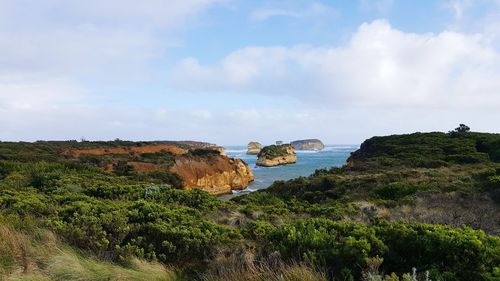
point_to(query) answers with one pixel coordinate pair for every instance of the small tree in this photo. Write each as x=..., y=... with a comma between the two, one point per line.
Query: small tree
x=462, y=128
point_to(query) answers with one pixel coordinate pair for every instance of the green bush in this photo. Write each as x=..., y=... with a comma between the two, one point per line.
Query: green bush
x=258, y=230
x=398, y=191
x=273, y=151
x=464, y=254
x=335, y=245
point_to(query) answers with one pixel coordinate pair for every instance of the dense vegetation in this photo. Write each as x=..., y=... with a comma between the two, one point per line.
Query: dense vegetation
x=430, y=149
x=424, y=201
x=273, y=151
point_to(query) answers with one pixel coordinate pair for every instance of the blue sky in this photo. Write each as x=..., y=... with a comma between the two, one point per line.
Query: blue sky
x=233, y=71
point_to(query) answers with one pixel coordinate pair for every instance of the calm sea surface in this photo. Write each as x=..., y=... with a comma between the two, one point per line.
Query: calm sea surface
x=307, y=163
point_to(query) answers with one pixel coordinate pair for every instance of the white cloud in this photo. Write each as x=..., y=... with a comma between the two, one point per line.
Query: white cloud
x=379, y=66
x=52, y=51
x=88, y=37
x=20, y=93
x=313, y=10
x=460, y=7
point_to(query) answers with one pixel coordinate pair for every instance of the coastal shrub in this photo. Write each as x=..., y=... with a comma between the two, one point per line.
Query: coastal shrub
x=456, y=253
x=448, y=253
x=122, y=168
x=4, y=170
x=334, y=245
x=174, y=234
x=428, y=149
x=398, y=191
x=28, y=202
x=93, y=225
x=162, y=176
x=493, y=183
x=148, y=229
x=195, y=198
x=115, y=192
x=258, y=230
x=313, y=189
x=204, y=152
x=165, y=159
x=470, y=158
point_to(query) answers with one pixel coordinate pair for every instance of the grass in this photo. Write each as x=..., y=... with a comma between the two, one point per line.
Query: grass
x=38, y=255
x=295, y=272
x=246, y=269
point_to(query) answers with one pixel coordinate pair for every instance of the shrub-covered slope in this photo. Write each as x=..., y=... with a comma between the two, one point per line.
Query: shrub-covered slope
x=384, y=214
x=429, y=149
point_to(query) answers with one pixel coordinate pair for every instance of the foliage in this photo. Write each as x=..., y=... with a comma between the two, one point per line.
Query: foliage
x=460, y=254
x=429, y=149
x=336, y=245
x=273, y=151
x=369, y=216
x=204, y=152
x=462, y=128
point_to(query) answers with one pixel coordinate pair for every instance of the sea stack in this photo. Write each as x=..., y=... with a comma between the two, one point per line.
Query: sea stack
x=309, y=144
x=275, y=155
x=253, y=148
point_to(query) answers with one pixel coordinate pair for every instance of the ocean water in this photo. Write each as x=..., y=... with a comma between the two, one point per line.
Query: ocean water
x=307, y=163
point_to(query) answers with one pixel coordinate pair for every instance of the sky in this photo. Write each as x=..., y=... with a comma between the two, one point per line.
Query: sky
x=234, y=71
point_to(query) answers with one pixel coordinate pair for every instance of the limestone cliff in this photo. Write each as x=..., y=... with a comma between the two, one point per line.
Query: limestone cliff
x=253, y=148
x=195, y=162
x=275, y=155
x=216, y=174
x=309, y=144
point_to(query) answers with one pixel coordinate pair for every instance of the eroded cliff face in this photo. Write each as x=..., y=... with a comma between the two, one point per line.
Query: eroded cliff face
x=309, y=144
x=211, y=172
x=276, y=155
x=216, y=174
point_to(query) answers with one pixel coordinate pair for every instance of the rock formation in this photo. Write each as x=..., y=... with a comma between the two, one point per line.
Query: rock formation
x=275, y=155
x=253, y=148
x=195, y=162
x=309, y=144
x=215, y=174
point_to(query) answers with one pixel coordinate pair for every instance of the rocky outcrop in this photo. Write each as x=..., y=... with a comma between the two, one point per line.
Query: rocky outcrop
x=195, y=162
x=309, y=144
x=275, y=155
x=253, y=148
x=216, y=174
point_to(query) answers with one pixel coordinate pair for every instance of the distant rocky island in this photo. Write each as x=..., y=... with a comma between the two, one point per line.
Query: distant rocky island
x=308, y=144
x=253, y=148
x=275, y=155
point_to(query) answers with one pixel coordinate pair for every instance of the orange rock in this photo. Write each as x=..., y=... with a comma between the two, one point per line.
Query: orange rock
x=216, y=174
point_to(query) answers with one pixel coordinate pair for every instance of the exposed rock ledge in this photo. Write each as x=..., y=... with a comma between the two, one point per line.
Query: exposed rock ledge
x=309, y=144
x=215, y=174
x=275, y=155
x=254, y=148
x=212, y=172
